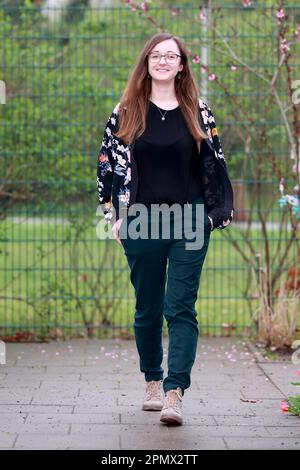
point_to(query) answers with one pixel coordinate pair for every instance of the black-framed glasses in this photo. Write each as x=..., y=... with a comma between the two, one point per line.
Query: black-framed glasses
x=170, y=57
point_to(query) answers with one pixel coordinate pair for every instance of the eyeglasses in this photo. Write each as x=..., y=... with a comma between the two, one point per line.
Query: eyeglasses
x=170, y=58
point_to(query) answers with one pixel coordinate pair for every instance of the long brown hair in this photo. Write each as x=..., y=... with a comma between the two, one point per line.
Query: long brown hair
x=134, y=102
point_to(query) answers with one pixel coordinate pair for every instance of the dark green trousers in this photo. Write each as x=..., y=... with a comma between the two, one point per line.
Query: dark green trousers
x=166, y=276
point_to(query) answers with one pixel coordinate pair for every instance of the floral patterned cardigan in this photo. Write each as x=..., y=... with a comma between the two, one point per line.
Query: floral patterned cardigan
x=117, y=176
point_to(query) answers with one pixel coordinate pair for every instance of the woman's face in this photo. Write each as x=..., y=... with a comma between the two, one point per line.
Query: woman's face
x=163, y=70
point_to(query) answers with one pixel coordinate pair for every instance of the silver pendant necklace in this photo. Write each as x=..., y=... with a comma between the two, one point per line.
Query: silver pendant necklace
x=163, y=115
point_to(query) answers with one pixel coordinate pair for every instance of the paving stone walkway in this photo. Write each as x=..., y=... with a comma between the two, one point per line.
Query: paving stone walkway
x=87, y=394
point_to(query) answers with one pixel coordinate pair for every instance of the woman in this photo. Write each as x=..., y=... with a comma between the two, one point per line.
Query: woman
x=160, y=148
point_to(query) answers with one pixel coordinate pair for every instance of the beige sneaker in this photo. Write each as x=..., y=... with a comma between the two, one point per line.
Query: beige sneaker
x=154, y=396
x=172, y=409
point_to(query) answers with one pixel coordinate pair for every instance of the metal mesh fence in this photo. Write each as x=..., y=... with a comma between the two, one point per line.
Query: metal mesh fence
x=64, y=71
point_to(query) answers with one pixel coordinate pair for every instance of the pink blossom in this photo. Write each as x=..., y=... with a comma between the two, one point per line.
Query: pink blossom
x=133, y=8
x=280, y=14
x=233, y=67
x=297, y=33
x=212, y=77
x=284, y=46
x=246, y=3
x=174, y=11
x=298, y=372
x=144, y=6
x=284, y=407
x=202, y=15
x=281, y=185
x=203, y=68
x=196, y=59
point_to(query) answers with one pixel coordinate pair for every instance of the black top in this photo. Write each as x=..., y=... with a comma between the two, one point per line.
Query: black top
x=167, y=159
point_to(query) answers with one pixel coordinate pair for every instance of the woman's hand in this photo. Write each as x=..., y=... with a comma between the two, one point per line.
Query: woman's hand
x=116, y=228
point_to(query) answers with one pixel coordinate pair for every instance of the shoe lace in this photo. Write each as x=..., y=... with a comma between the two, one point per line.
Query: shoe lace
x=153, y=390
x=173, y=399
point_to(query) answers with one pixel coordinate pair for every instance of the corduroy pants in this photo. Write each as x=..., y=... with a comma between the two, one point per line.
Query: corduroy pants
x=166, y=277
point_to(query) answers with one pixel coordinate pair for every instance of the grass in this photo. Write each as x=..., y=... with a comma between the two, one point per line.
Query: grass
x=49, y=281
